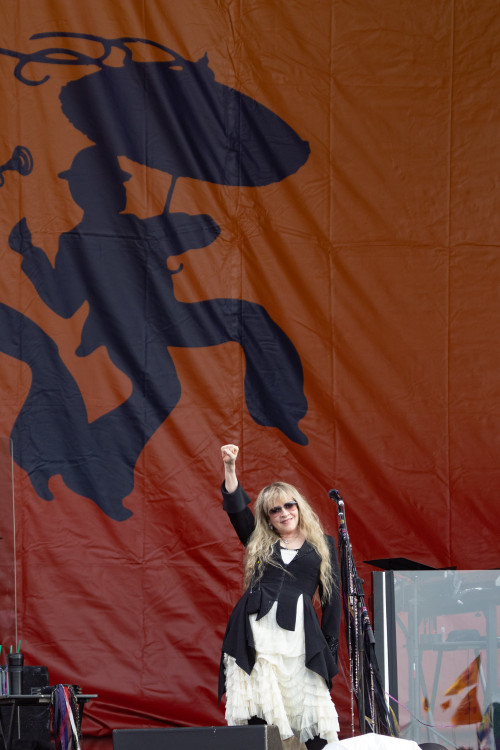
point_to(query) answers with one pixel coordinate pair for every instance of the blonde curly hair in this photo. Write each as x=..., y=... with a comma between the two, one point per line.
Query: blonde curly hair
x=260, y=546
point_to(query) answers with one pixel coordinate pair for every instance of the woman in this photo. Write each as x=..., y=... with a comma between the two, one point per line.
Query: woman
x=277, y=662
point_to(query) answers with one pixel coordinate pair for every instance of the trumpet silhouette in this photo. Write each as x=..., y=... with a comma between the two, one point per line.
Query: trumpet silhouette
x=21, y=161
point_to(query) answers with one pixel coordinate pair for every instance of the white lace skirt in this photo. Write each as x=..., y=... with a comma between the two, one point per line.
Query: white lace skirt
x=280, y=689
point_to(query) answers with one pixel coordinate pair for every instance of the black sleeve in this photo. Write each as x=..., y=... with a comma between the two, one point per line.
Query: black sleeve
x=236, y=506
x=330, y=620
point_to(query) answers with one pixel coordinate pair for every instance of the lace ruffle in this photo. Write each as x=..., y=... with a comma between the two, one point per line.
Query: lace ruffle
x=283, y=692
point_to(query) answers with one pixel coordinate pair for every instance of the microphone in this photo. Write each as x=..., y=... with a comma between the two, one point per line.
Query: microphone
x=335, y=495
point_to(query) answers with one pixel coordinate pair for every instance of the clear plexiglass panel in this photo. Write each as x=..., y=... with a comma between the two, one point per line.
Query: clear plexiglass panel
x=448, y=653
x=8, y=618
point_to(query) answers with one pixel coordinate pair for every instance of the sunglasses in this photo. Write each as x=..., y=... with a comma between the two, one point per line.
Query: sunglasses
x=280, y=508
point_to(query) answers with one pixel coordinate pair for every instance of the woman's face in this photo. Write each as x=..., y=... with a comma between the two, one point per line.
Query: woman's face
x=285, y=516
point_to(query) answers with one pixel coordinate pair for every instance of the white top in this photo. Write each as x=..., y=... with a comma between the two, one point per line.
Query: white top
x=269, y=638
x=287, y=555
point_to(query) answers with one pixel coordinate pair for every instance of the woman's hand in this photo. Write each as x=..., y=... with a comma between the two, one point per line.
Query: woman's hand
x=229, y=455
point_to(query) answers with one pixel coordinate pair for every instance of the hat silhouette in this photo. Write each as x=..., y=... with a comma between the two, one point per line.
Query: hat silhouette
x=97, y=163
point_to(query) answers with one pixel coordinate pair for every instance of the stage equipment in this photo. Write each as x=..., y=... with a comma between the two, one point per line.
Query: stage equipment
x=25, y=718
x=384, y=621
x=21, y=161
x=443, y=649
x=258, y=737
x=27, y=722
x=374, y=713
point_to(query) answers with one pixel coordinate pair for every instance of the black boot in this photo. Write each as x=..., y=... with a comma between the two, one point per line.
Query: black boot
x=317, y=743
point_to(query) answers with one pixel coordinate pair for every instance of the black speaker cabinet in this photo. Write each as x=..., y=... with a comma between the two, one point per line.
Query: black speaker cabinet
x=258, y=737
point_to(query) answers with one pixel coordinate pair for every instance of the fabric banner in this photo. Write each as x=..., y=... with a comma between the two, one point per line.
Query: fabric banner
x=273, y=224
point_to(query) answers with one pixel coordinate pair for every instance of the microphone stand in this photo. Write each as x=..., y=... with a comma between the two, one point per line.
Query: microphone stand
x=374, y=715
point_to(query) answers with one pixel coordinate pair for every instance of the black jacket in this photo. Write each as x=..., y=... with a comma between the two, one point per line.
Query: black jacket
x=284, y=585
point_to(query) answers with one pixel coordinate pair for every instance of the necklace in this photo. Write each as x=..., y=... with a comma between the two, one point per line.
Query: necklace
x=291, y=539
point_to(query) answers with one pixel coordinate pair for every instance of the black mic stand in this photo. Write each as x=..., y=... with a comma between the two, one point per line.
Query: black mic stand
x=366, y=685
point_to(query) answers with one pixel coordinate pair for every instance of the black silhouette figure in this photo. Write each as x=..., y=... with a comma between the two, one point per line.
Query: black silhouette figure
x=175, y=117
x=118, y=264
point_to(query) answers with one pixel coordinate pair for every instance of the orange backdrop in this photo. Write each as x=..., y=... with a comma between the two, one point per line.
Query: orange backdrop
x=378, y=258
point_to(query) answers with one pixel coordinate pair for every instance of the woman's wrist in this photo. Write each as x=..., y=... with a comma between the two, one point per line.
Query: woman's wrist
x=230, y=480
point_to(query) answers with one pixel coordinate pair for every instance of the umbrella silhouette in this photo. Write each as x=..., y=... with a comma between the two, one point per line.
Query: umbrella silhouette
x=174, y=116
